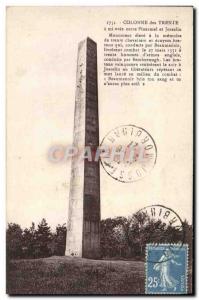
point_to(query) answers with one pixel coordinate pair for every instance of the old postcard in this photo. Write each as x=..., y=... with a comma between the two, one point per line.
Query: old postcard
x=99, y=150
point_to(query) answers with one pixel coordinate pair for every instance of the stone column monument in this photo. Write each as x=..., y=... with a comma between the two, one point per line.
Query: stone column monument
x=83, y=232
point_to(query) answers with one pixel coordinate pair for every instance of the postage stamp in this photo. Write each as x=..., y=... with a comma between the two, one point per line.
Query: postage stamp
x=166, y=269
x=134, y=154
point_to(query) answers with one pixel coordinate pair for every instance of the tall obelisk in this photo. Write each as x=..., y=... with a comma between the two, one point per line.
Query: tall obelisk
x=83, y=230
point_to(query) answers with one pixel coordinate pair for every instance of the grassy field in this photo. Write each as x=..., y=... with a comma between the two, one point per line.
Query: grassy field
x=64, y=275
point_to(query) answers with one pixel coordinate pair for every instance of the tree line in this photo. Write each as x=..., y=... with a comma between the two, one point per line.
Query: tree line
x=35, y=242
x=120, y=237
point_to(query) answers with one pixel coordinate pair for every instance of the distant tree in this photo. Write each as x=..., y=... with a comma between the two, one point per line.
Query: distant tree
x=135, y=233
x=106, y=237
x=29, y=242
x=43, y=237
x=120, y=237
x=121, y=245
x=14, y=241
x=144, y=229
x=60, y=240
x=188, y=232
x=188, y=237
x=34, y=243
x=112, y=239
x=127, y=237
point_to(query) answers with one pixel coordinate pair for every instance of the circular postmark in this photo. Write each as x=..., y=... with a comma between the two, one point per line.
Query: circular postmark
x=164, y=229
x=132, y=153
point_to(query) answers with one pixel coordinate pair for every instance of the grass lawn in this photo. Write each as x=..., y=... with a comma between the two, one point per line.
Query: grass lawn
x=65, y=275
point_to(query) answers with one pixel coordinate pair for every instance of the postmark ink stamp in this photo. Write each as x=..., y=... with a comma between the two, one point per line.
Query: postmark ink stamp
x=166, y=270
x=133, y=153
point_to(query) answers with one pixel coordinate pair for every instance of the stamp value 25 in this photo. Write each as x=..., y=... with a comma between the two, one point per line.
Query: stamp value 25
x=166, y=269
